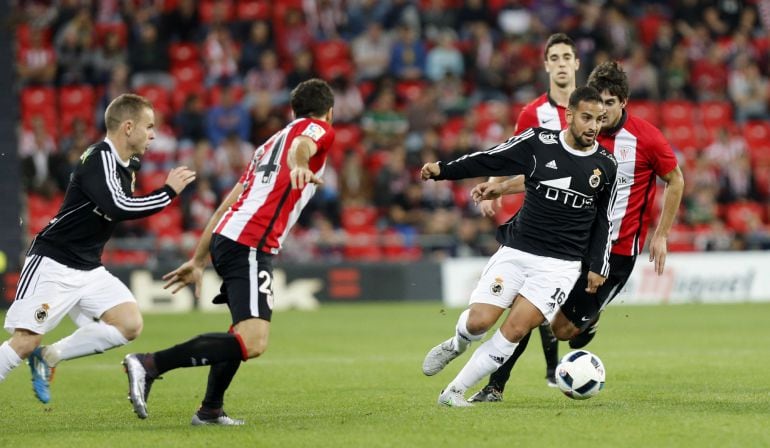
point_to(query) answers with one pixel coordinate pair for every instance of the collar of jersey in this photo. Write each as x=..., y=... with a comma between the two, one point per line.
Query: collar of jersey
x=115, y=153
x=574, y=151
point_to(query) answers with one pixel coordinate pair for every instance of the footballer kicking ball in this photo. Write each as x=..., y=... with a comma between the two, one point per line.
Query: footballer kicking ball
x=580, y=374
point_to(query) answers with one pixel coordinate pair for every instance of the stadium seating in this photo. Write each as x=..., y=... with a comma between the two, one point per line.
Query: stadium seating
x=716, y=114
x=159, y=96
x=647, y=110
x=676, y=113
x=250, y=10
x=75, y=102
x=40, y=102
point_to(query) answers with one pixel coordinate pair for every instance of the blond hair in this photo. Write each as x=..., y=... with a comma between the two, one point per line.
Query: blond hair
x=127, y=106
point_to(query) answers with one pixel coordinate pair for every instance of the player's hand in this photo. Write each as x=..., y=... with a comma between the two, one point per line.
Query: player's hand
x=430, y=170
x=658, y=251
x=180, y=177
x=594, y=282
x=302, y=176
x=187, y=273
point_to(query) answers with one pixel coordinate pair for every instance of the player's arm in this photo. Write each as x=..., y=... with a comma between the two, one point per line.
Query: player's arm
x=672, y=196
x=601, y=235
x=510, y=158
x=101, y=183
x=301, y=150
x=192, y=270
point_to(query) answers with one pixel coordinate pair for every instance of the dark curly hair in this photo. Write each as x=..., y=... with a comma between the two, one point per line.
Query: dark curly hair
x=585, y=93
x=610, y=76
x=311, y=98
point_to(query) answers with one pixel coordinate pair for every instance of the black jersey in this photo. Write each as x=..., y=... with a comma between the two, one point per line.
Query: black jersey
x=99, y=195
x=569, y=195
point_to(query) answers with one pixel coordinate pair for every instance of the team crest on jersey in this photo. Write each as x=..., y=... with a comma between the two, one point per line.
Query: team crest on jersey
x=496, y=288
x=41, y=314
x=547, y=138
x=595, y=178
x=314, y=131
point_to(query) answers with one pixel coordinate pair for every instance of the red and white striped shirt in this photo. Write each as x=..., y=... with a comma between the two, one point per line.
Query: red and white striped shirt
x=268, y=207
x=642, y=154
x=541, y=112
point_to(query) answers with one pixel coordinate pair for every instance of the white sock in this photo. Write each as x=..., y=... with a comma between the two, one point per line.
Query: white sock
x=485, y=360
x=463, y=337
x=86, y=340
x=9, y=359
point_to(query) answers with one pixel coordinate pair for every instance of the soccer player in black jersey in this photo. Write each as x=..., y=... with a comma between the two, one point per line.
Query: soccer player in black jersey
x=570, y=183
x=63, y=273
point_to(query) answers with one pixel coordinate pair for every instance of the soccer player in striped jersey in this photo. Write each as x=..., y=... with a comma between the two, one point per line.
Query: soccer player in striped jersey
x=546, y=111
x=643, y=155
x=570, y=182
x=63, y=272
x=244, y=234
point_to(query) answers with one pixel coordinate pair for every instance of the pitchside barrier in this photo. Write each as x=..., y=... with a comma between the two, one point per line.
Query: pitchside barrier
x=688, y=278
x=705, y=277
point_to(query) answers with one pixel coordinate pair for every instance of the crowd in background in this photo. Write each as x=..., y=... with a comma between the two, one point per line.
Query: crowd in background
x=414, y=81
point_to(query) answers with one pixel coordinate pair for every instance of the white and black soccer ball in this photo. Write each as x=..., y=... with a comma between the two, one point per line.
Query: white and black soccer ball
x=580, y=374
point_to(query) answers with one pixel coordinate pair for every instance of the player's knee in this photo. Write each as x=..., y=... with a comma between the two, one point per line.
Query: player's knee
x=565, y=331
x=514, y=333
x=479, y=321
x=131, y=327
x=256, y=348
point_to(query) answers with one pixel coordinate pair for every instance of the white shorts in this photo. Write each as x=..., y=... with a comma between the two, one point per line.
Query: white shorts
x=543, y=281
x=48, y=291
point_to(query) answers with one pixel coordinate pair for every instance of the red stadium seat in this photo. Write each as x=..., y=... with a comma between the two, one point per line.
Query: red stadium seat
x=167, y=225
x=23, y=32
x=40, y=210
x=409, y=90
x=206, y=10
x=684, y=137
x=187, y=80
x=250, y=10
x=681, y=238
x=737, y=215
x=40, y=102
x=355, y=218
x=103, y=29
x=677, y=112
x=647, y=110
x=515, y=111
x=363, y=244
x=158, y=95
x=183, y=54
x=75, y=102
x=756, y=133
x=716, y=114
x=149, y=181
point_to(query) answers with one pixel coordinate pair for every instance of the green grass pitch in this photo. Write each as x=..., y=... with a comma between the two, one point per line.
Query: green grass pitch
x=349, y=375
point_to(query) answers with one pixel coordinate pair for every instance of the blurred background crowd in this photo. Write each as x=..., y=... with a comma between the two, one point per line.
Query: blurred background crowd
x=414, y=81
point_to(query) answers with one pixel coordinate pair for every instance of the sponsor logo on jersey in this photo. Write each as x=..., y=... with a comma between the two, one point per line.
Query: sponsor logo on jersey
x=558, y=190
x=86, y=154
x=496, y=288
x=551, y=164
x=547, y=138
x=314, y=131
x=595, y=178
x=41, y=314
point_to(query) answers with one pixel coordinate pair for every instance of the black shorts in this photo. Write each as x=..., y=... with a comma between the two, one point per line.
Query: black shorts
x=581, y=307
x=247, y=279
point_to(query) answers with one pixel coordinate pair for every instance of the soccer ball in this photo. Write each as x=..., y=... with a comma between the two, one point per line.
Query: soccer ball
x=580, y=374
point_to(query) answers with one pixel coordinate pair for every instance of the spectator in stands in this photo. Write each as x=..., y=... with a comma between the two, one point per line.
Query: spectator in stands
x=325, y=18
x=163, y=150
x=717, y=237
x=302, y=69
x=226, y=118
x=36, y=64
x=709, y=76
x=471, y=13
x=515, y=19
x=117, y=86
x=35, y=139
x=382, y=123
x=371, y=52
x=727, y=147
x=438, y=17
x=736, y=181
x=267, y=80
x=392, y=179
x=293, y=36
x=444, y=59
x=220, y=56
x=182, y=24
x=109, y=54
x=675, y=76
x=348, y=104
x=198, y=205
x=407, y=57
x=265, y=119
x=642, y=75
x=701, y=206
x=72, y=57
x=189, y=122
x=355, y=182
x=757, y=236
x=362, y=14
x=618, y=30
x=259, y=40
x=231, y=157
x=36, y=150
x=402, y=13
x=148, y=58
x=749, y=90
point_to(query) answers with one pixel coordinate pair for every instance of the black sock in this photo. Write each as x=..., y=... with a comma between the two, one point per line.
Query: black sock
x=220, y=376
x=500, y=376
x=550, y=346
x=204, y=349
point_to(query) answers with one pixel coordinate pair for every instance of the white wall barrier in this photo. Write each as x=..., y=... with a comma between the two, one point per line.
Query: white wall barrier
x=688, y=278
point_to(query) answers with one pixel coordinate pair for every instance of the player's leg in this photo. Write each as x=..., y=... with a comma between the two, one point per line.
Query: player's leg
x=107, y=317
x=493, y=293
x=472, y=325
x=494, y=389
x=46, y=292
x=550, y=352
x=493, y=353
x=211, y=410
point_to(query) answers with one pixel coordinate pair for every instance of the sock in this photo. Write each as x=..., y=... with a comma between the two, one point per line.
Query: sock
x=87, y=340
x=204, y=349
x=485, y=360
x=501, y=376
x=550, y=346
x=463, y=337
x=220, y=376
x=9, y=359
